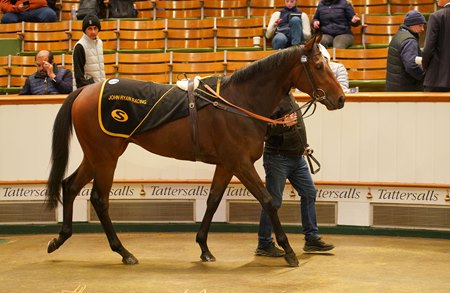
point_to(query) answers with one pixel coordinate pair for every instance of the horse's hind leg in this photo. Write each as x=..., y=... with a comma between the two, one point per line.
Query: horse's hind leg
x=71, y=186
x=219, y=183
x=100, y=200
x=253, y=183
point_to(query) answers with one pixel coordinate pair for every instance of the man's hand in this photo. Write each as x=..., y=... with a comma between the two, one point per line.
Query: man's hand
x=290, y=120
x=22, y=7
x=277, y=22
x=48, y=67
x=355, y=18
x=316, y=24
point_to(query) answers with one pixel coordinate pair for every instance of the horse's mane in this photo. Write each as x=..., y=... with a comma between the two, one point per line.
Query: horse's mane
x=266, y=64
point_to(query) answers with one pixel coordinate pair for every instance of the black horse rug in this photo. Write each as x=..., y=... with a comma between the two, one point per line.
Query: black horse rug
x=128, y=107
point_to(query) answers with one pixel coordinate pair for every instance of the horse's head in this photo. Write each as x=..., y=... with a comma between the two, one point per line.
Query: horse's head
x=317, y=79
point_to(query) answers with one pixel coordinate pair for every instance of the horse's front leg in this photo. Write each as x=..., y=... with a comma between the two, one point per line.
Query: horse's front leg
x=71, y=186
x=249, y=177
x=219, y=183
x=100, y=201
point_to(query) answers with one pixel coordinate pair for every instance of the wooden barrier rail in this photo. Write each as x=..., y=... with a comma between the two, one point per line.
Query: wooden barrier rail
x=361, y=97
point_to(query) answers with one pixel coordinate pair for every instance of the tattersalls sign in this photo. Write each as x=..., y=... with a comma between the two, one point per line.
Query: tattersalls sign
x=334, y=193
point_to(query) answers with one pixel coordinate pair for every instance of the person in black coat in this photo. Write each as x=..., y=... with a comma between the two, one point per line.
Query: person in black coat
x=436, y=53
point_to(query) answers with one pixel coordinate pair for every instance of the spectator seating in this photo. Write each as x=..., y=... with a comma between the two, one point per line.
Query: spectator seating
x=370, y=6
x=200, y=26
x=110, y=64
x=378, y=30
x=233, y=60
x=238, y=33
x=199, y=9
x=45, y=35
x=144, y=66
x=190, y=35
x=3, y=75
x=10, y=30
x=3, y=79
x=366, y=67
x=308, y=6
x=64, y=60
x=145, y=9
x=192, y=64
x=19, y=68
x=143, y=36
x=178, y=9
x=403, y=6
x=66, y=9
x=265, y=7
x=225, y=8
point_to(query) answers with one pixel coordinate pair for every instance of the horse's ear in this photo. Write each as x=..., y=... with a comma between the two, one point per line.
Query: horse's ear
x=318, y=37
x=314, y=40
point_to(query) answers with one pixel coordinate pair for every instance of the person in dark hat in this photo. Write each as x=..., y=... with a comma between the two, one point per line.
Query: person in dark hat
x=404, y=70
x=88, y=61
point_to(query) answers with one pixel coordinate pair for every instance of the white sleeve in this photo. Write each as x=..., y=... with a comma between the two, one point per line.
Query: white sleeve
x=271, y=26
x=306, y=26
x=341, y=75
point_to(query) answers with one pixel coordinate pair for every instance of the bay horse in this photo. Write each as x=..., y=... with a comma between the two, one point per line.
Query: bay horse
x=229, y=140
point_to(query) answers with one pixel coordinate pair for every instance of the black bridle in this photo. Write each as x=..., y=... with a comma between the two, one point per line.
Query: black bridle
x=318, y=95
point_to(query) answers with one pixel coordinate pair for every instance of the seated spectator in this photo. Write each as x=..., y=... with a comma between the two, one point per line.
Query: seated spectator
x=26, y=10
x=48, y=79
x=403, y=74
x=335, y=18
x=289, y=25
x=339, y=70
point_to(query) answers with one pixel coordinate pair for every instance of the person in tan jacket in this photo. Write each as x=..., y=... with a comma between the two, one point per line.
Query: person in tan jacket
x=26, y=10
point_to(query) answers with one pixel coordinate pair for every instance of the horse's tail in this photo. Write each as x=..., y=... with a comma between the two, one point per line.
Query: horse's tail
x=62, y=133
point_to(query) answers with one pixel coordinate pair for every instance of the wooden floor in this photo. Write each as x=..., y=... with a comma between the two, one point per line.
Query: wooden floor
x=169, y=262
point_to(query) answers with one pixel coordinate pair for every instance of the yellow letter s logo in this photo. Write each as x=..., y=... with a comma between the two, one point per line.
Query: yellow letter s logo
x=119, y=115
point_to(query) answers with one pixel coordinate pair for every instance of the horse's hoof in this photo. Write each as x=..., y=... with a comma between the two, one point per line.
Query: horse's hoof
x=291, y=259
x=207, y=257
x=52, y=246
x=130, y=260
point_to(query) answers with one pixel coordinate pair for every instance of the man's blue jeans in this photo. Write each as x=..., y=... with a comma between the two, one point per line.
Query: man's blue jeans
x=43, y=14
x=294, y=37
x=278, y=168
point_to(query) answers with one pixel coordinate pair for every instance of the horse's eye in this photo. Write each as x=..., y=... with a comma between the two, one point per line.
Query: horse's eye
x=319, y=66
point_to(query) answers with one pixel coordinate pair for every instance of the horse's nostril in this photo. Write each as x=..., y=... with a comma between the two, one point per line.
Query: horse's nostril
x=341, y=102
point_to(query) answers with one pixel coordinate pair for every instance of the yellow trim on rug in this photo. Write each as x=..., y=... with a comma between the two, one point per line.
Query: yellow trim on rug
x=153, y=107
x=99, y=114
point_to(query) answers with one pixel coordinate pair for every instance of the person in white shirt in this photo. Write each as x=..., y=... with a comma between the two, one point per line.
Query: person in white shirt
x=338, y=69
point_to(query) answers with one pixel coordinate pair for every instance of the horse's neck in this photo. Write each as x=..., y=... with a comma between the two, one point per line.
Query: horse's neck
x=272, y=79
x=265, y=95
